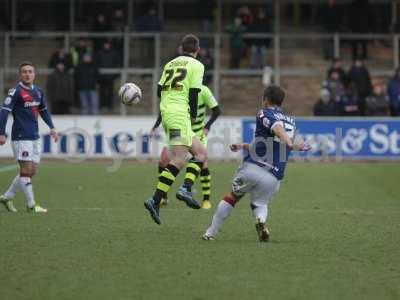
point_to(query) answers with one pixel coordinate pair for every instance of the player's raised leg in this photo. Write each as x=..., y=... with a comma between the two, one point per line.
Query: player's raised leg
x=199, y=153
x=181, y=140
x=165, y=180
x=193, y=169
x=162, y=164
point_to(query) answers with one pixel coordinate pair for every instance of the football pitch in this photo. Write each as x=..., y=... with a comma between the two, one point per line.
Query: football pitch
x=335, y=234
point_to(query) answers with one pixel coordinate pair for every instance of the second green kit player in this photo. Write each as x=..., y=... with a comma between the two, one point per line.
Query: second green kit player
x=206, y=100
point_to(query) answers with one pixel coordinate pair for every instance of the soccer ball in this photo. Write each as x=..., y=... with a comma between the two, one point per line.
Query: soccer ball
x=130, y=93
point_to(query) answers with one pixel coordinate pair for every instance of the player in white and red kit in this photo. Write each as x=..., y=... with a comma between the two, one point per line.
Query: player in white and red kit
x=26, y=102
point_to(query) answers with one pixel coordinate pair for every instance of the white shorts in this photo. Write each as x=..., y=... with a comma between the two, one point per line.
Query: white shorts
x=257, y=181
x=27, y=150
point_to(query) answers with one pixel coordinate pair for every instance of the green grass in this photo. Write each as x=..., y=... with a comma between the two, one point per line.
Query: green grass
x=335, y=235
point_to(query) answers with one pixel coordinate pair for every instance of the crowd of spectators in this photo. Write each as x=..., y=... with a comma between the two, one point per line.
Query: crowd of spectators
x=356, y=17
x=248, y=21
x=344, y=92
x=76, y=76
x=352, y=93
x=76, y=72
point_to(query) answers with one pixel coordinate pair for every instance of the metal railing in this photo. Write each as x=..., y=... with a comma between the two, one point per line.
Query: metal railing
x=218, y=42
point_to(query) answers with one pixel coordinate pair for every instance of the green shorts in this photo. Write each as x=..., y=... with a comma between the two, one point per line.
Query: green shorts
x=202, y=138
x=178, y=129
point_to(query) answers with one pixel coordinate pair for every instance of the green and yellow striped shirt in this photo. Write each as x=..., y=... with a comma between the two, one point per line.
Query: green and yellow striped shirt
x=205, y=100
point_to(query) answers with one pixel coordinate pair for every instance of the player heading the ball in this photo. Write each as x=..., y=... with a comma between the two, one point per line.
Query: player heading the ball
x=178, y=89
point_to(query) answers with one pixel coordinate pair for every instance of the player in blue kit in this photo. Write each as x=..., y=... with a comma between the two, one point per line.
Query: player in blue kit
x=26, y=102
x=263, y=164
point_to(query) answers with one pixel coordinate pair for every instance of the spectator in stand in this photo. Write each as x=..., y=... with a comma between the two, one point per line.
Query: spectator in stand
x=258, y=47
x=25, y=20
x=118, y=20
x=86, y=78
x=377, y=104
x=118, y=24
x=150, y=22
x=360, y=77
x=325, y=105
x=100, y=25
x=245, y=15
x=205, y=10
x=334, y=86
x=60, y=90
x=337, y=67
x=360, y=23
x=61, y=56
x=394, y=94
x=348, y=104
x=81, y=48
x=331, y=24
x=107, y=57
x=236, y=31
x=208, y=61
x=4, y=21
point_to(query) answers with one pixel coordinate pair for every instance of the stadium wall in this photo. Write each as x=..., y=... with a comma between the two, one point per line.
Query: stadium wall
x=128, y=137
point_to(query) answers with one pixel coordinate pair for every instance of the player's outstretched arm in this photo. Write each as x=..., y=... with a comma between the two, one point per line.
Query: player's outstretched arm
x=300, y=145
x=280, y=132
x=238, y=147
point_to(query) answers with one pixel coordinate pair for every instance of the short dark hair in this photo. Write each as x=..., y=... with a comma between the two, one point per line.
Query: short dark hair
x=274, y=94
x=25, y=63
x=190, y=43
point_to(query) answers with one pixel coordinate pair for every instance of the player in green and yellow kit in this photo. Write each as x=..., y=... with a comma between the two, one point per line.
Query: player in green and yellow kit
x=178, y=90
x=206, y=100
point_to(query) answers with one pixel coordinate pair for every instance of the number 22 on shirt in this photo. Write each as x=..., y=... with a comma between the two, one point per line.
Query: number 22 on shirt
x=173, y=77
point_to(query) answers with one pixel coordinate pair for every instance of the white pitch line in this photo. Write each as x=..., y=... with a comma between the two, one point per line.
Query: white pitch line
x=8, y=168
x=179, y=209
x=82, y=208
x=111, y=208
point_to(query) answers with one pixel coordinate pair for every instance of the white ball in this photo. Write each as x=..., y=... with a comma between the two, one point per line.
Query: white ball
x=130, y=93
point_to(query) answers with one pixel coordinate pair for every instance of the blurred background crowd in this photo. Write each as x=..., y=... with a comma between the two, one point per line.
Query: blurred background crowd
x=76, y=83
